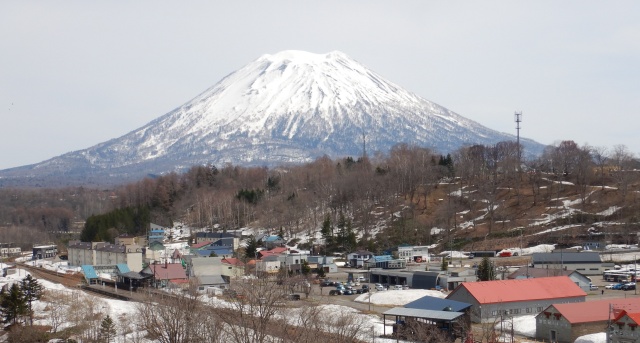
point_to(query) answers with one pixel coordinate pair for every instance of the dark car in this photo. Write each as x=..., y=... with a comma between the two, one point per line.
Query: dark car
x=349, y=292
x=629, y=286
x=335, y=292
x=294, y=297
x=327, y=284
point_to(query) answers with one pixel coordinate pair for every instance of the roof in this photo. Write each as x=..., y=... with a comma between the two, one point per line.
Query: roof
x=169, y=271
x=272, y=239
x=89, y=272
x=634, y=315
x=232, y=261
x=211, y=280
x=200, y=245
x=418, y=313
x=523, y=272
x=566, y=257
x=213, y=235
x=595, y=311
x=122, y=268
x=500, y=291
x=382, y=258
x=437, y=304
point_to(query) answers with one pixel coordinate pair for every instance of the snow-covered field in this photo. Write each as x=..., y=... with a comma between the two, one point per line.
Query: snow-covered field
x=397, y=297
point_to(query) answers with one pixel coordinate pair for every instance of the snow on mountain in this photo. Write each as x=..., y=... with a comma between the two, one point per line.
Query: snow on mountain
x=290, y=107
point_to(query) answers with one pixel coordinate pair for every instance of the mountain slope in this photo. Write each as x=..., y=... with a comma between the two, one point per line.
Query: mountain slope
x=290, y=107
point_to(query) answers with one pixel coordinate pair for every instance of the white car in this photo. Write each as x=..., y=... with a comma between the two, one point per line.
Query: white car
x=397, y=287
x=379, y=287
x=610, y=286
x=593, y=287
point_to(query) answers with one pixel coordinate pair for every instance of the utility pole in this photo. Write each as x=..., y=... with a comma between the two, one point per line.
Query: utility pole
x=518, y=119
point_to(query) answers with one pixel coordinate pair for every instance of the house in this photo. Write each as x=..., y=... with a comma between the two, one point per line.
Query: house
x=232, y=267
x=586, y=262
x=624, y=328
x=9, y=249
x=213, y=237
x=272, y=241
x=356, y=259
x=44, y=251
x=164, y=274
x=511, y=298
x=268, y=265
x=413, y=253
x=527, y=273
x=323, y=262
x=273, y=252
x=156, y=233
x=566, y=322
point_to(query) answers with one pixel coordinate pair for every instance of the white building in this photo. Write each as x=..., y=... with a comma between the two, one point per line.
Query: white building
x=413, y=253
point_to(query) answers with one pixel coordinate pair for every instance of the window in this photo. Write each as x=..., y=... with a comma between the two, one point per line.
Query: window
x=494, y=313
x=528, y=309
x=539, y=309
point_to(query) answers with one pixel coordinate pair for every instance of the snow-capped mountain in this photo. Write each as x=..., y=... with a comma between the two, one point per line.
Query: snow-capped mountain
x=290, y=107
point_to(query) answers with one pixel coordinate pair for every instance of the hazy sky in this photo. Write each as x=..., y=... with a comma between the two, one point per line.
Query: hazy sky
x=77, y=73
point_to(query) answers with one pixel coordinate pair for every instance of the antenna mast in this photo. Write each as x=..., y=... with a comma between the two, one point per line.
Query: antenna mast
x=518, y=119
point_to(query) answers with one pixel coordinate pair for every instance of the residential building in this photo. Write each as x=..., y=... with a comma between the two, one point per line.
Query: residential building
x=272, y=241
x=213, y=237
x=268, y=265
x=356, y=259
x=511, y=298
x=44, y=251
x=586, y=262
x=9, y=249
x=323, y=262
x=564, y=323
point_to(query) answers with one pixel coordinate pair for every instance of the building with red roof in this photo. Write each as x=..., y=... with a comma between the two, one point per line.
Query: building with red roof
x=165, y=273
x=624, y=327
x=566, y=322
x=511, y=298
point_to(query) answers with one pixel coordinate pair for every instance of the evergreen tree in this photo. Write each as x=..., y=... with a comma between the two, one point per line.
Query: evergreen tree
x=251, y=248
x=305, y=268
x=12, y=304
x=107, y=329
x=445, y=264
x=486, y=270
x=327, y=233
x=32, y=291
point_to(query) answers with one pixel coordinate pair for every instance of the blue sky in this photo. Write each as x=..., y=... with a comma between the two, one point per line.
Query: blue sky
x=77, y=73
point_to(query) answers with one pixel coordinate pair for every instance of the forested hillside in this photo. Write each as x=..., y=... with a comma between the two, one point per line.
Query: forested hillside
x=475, y=198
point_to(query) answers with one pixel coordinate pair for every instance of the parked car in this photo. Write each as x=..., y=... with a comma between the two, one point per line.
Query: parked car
x=405, y=287
x=610, y=286
x=327, y=283
x=379, y=287
x=335, y=292
x=349, y=292
x=593, y=287
x=294, y=297
x=629, y=286
x=618, y=286
x=362, y=279
x=397, y=287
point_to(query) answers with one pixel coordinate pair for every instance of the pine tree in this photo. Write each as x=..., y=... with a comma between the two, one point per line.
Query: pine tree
x=13, y=304
x=107, y=330
x=486, y=270
x=251, y=248
x=327, y=233
x=32, y=291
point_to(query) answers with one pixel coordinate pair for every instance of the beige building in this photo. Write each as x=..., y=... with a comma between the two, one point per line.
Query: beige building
x=101, y=253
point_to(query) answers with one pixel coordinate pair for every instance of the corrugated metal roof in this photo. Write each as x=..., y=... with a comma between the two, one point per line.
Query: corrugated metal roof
x=89, y=272
x=498, y=291
x=595, y=311
x=418, y=313
x=437, y=304
x=566, y=257
x=123, y=268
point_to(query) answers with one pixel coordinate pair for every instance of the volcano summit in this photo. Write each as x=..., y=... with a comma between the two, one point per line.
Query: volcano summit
x=290, y=107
